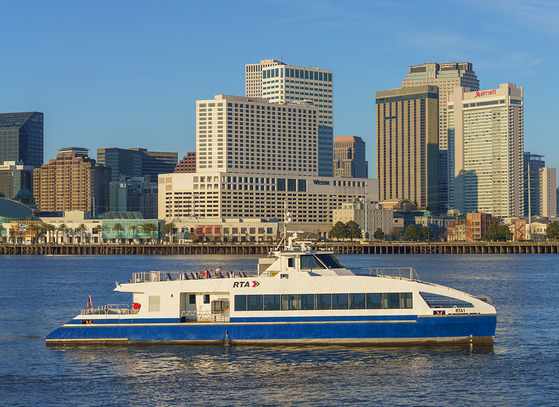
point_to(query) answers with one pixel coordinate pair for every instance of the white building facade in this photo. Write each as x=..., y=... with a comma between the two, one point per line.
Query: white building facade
x=486, y=143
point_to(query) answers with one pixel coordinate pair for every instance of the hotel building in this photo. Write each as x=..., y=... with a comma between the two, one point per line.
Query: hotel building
x=486, y=140
x=548, y=192
x=21, y=138
x=282, y=83
x=254, y=159
x=136, y=162
x=407, y=145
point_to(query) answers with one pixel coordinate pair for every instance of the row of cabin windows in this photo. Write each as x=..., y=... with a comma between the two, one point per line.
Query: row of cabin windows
x=289, y=302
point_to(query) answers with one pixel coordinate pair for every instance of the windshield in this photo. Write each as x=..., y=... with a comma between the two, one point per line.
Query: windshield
x=329, y=261
x=310, y=262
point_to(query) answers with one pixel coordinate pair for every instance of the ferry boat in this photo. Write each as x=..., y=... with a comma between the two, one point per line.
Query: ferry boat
x=296, y=296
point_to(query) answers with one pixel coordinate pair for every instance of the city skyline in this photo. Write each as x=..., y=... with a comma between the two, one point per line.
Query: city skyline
x=130, y=73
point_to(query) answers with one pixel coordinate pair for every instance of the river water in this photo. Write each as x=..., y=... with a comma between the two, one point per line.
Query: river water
x=37, y=294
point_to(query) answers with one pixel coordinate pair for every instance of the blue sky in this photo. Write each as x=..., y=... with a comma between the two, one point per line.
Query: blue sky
x=127, y=73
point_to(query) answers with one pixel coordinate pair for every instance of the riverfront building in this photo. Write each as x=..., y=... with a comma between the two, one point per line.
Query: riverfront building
x=532, y=165
x=548, y=188
x=486, y=138
x=72, y=182
x=254, y=159
x=15, y=176
x=282, y=83
x=134, y=194
x=136, y=162
x=21, y=138
x=349, y=157
x=407, y=145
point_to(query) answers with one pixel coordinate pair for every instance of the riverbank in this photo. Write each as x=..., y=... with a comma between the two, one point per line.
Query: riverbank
x=263, y=249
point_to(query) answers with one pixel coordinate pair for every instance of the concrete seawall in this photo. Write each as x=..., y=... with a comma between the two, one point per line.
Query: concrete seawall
x=263, y=249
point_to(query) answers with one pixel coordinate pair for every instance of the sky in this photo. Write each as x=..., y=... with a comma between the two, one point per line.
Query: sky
x=127, y=73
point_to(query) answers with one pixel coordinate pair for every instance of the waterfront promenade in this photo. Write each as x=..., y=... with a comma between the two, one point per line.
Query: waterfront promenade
x=262, y=249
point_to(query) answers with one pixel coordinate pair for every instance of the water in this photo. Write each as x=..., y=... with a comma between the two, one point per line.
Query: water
x=38, y=294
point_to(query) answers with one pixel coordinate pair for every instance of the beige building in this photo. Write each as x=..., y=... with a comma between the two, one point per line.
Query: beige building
x=369, y=216
x=486, y=140
x=71, y=182
x=407, y=145
x=446, y=77
x=548, y=192
x=349, y=157
x=282, y=83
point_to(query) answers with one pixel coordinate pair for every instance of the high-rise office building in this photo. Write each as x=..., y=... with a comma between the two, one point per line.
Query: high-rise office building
x=136, y=162
x=446, y=77
x=134, y=194
x=188, y=163
x=407, y=145
x=486, y=138
x=254, y=158
x=21, y=138
x=72, y=181
x=349, y=157
x=532, y=165
x=548, y=188
x=283, y=83
x=15, y=176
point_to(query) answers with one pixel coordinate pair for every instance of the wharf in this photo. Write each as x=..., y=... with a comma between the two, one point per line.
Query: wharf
x=263, y=249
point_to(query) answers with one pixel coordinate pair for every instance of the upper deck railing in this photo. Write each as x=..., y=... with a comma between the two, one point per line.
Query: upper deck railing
x=110, y=309
x=401, y=273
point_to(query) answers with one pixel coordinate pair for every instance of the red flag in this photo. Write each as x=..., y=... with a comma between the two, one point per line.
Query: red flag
x=89, y=302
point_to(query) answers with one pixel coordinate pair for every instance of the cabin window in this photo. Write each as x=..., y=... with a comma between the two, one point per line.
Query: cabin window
x=271, y=302
x=306, y=301
x=357, y=301
x=291, y=262
x=255, y=303
x=323, y=301
x=442, y=301
x=289, y=302
x=206, y=298
x=406, y=301
x=340, y=301
x=391, y=300
x=330, y=261
x=374, y=301
x=154, y=303
x=192, y=299
x=310, y=262
x=240, y=303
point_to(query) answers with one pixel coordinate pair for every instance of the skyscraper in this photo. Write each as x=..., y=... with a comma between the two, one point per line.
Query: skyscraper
x=349, y=157
x=187, y=164
x=486, y=140
x=21, y=138
x=15, y=176
x=548, y=194
x=282, y=83
x=136, y=162
x=532, y=165
x=71, y=181
x=407, y=145
x=446, y=77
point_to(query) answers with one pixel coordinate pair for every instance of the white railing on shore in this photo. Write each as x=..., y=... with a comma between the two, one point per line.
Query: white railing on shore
x=110, y=309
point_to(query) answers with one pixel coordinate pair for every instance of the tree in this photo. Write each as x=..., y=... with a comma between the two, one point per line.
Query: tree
x=49, y=228
x=497, y=232
x=379, y=234
x=119, y=228
x=133, y=228
x=395, y=234
x=168, y=229
x=552, y=230
x=149, y=228
x=412, y=232
x=425, y=233
x=61, y=228
x=353, y=230
x=35, y=228
x=2, y=228
x=98, y=229
x=81, y=228
x=338, y=231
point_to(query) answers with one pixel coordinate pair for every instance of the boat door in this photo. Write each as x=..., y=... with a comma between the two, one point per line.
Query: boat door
x=188, y=307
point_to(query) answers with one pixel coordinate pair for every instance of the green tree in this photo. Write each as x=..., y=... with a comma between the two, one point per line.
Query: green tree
x=149, y=228
x=338, y=231
x=395, y=234
x=412, y=232
x=498, y=233
x=168, y=229
x=36, y=229
x=50, y=229
x=97, y=230
x=81, y=229
x=552, y=230
x=425, y=233
x=379, y=234
x=353, y=230
x=133, y=228
x=61, y=228
x=118, y=228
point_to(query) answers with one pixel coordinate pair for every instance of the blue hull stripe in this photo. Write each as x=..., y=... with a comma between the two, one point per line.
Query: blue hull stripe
x=436, y=328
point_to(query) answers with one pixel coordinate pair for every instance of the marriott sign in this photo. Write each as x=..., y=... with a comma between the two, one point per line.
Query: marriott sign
x=486, y=92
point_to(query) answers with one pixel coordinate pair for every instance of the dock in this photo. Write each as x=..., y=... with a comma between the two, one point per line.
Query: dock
x=263, y=249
